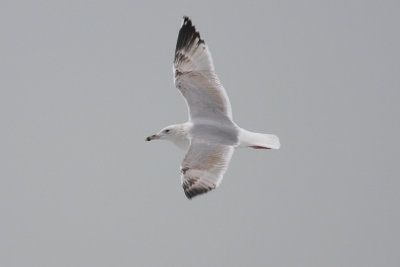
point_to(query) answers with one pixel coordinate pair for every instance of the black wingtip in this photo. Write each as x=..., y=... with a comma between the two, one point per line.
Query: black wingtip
x=187, y=35
x=188, y=195
x=194, y=192
x=192, y=189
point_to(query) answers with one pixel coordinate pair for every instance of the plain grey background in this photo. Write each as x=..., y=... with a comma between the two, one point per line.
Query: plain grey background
x=82, y=83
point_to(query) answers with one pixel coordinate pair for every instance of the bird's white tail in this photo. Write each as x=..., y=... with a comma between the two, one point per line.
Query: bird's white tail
x=258, y=140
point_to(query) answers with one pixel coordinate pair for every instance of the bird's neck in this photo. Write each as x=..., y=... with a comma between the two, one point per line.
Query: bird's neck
x=182, y=139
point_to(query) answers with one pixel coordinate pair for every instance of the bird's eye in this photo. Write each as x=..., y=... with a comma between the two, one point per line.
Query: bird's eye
x=166, y=131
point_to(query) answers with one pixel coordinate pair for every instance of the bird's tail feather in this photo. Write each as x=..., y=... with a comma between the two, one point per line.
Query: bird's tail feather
x=258, y=140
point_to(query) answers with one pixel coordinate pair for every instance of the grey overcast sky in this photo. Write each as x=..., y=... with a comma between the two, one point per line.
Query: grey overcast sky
x=82, y=83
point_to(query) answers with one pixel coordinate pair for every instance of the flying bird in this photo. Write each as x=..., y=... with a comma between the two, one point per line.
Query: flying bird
x=210, y=135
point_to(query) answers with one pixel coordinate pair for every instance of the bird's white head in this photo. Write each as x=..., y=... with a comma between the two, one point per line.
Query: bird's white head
x=176, y=133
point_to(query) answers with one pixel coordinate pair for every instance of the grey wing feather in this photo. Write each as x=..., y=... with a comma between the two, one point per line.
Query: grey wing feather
x=195, y=77
x=204, y=166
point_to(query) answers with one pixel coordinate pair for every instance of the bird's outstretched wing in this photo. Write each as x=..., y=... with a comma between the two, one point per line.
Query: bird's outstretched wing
x=194, y=76
x=204, y=166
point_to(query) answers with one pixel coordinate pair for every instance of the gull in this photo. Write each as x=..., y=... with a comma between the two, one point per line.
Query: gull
x=210, y=135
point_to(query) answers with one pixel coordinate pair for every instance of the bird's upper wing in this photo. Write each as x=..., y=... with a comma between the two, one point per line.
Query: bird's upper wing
x=204, y=166
x=194, y=76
